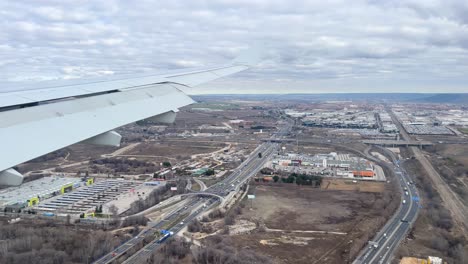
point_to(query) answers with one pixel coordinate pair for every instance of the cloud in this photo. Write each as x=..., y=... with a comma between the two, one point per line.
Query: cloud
x=310, y=46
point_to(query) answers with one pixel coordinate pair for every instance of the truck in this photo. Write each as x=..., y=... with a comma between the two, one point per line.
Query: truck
x=165, y=234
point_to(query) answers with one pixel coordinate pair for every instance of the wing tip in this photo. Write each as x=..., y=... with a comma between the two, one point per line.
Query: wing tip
x=249, y=57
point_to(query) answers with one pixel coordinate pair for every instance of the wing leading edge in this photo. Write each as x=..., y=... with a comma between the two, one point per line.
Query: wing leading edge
x=39, y=121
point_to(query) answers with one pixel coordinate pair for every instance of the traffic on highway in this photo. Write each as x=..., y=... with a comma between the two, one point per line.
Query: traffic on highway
x=197, y=205
x=382, y=247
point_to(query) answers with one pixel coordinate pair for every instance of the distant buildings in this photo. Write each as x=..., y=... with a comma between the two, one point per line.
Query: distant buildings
x=332, y=164
x=429, y=260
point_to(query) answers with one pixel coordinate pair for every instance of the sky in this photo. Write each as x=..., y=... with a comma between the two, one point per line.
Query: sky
x=307, y=46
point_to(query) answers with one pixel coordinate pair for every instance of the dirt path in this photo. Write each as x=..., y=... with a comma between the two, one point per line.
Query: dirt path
x=451, y=200
x=305, y=231
x=227, y=147
x=121, y=151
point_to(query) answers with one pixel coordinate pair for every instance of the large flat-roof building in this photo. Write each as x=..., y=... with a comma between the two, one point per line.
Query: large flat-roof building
x=30, y=193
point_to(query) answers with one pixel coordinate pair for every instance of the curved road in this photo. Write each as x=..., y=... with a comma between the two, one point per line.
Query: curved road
x=384, y=244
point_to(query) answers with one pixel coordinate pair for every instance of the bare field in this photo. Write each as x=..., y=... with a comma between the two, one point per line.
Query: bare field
x=174, y=149
x=68, y=155
x=307, y=225
x=349, y=185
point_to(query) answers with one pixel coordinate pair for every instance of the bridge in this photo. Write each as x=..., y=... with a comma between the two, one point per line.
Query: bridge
x=398, y=143
x=204, y=194
x=278, y=140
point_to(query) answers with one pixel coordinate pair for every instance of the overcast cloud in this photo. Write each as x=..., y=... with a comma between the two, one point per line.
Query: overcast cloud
x=310, y=46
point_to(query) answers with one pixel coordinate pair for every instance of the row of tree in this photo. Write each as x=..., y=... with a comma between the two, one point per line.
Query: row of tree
x=299, y=179
x=47, y=242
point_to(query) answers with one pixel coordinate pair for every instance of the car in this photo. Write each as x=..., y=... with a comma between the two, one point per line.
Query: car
x=181, y=223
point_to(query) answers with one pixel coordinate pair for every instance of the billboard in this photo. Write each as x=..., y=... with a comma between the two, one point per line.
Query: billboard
x=173, y=188
x=250, y=196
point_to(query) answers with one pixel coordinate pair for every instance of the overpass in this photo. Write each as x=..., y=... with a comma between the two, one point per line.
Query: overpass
x=204, y=194
x=278, y=140
x=398, y=143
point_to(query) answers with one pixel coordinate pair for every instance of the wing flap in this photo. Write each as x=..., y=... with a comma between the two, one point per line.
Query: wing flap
x=46, y=130
x=38, y=121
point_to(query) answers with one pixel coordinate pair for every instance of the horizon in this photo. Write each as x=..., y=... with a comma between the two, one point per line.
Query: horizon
x=384, y=46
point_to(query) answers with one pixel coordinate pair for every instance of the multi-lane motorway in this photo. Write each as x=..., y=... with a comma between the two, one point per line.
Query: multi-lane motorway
x=150, y=232
x=197, y=205
x=384, y=244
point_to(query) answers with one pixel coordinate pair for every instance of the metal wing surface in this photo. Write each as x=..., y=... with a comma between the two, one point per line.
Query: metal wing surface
x=44, y=118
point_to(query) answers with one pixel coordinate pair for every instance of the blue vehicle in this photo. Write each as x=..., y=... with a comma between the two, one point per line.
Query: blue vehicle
x=166, y=234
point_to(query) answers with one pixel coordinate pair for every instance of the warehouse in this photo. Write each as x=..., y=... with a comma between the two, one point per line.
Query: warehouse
x=87, y=198
x=31, y=193
x=334, y=164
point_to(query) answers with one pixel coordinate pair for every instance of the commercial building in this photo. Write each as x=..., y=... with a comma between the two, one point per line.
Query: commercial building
x=31, y=193
x=428, y=260
x=85, y=199
x=332, y=164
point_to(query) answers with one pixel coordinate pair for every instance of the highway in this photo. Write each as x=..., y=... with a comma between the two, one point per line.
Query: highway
x=145, y=253
x=151, y=231
x=194, y=208
x=381, y=249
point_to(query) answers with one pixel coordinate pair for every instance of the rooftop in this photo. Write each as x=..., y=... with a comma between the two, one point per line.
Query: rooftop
x=37, y=188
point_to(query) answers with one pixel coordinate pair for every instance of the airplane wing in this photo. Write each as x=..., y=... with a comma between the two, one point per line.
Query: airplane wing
x=40, y=120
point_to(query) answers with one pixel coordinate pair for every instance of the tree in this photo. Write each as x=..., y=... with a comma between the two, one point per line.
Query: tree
x=290, y=179
x=166, y=164
x=114, y=211
x=275, y=178
x=209, y=172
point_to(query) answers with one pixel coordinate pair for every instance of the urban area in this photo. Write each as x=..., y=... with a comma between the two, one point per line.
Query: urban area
x=236, y=179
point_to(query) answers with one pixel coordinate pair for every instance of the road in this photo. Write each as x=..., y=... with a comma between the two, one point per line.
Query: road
x=381, y=249
x=149, y=232
x=201, y=183
x=184, y=215
x=451, y=200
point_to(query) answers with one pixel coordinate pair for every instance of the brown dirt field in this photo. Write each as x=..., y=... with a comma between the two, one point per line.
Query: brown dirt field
x=287, y=248
x=349, y=185
x=174, y=149
x=292, y=208
x=78, y=152
x=457, y=152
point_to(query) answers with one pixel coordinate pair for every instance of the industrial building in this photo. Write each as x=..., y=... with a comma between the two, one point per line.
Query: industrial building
x=340, y=119
x=85, y=199
x=332, y=164
x=31, y=193
x=428, y=260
